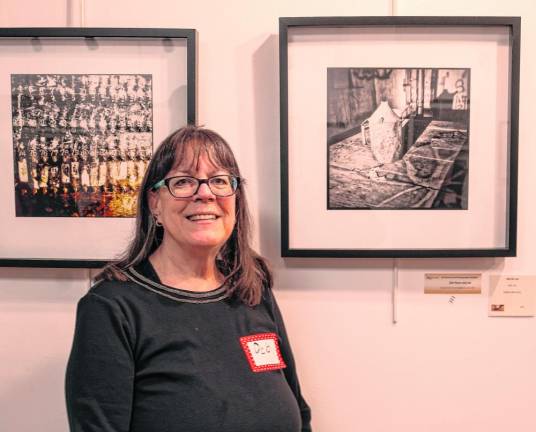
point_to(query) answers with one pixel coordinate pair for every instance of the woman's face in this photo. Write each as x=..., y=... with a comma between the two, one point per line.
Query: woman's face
x=203, y=221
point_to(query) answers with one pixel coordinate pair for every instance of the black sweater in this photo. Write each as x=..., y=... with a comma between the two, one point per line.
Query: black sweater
x=147, y=357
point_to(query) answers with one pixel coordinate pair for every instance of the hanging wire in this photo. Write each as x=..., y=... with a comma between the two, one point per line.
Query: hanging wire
x=82, y=13
x=394, y=290
x=392, y=8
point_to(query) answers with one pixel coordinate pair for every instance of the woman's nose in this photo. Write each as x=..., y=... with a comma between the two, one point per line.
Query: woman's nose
x=204, y=192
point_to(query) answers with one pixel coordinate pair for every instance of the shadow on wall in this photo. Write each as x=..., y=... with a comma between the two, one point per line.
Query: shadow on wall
x=266, y=117
x=29, y=285
x=33, y=401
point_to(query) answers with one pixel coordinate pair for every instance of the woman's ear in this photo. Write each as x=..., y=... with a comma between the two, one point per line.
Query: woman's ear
x=153, y=200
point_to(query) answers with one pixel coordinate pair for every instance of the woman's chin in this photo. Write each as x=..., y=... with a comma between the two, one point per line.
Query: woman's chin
x=206, y=241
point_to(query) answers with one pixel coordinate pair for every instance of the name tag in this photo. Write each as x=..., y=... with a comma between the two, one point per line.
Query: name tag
x=262, y=352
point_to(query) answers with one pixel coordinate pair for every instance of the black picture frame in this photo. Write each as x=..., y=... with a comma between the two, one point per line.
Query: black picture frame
x=315, y=240
x=176, y=46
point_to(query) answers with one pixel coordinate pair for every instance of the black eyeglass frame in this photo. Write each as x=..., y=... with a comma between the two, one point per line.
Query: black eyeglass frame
x=235, y=183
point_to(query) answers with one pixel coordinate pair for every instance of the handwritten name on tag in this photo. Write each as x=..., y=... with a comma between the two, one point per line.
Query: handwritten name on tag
x=262, y=352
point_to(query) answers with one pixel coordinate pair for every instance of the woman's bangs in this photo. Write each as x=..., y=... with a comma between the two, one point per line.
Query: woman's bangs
x=188, y=154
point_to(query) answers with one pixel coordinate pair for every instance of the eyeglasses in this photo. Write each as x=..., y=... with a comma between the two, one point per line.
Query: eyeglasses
x=186, y=186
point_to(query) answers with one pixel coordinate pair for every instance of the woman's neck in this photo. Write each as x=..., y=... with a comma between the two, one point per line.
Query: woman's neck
x=189, y=270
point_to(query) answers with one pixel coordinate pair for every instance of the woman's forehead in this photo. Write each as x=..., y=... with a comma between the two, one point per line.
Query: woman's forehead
x=190, y=161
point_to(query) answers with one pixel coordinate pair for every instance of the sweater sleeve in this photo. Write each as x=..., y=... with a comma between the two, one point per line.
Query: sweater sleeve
x=100, y=370
x=290, y=371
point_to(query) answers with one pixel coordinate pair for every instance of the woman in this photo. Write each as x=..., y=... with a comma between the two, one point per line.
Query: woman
x=183, y=333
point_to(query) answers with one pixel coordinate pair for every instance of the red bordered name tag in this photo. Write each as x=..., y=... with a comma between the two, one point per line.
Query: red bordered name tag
x=262, y=352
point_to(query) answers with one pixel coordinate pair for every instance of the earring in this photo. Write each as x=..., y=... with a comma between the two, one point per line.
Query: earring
x=156, y=220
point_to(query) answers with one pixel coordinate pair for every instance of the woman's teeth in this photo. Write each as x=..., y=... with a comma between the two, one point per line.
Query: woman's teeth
x=202, y=217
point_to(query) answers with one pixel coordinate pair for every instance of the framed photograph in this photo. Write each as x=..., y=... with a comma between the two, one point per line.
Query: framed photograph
x=399, y=136
x=81, y=112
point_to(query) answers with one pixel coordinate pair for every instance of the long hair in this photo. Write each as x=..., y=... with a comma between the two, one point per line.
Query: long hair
x=245, y=271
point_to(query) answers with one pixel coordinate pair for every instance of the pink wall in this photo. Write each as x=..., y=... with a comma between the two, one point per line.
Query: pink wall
x=444, y=366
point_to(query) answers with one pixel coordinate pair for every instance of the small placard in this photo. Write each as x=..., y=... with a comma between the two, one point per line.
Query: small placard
x=452, y=283
x=512, y=295
x=262, y=352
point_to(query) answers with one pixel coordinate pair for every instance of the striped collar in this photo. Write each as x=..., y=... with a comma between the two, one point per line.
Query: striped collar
x=141, y=275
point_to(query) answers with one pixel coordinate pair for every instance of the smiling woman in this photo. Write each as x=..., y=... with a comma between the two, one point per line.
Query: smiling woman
x=197, y=216
x=183, y=332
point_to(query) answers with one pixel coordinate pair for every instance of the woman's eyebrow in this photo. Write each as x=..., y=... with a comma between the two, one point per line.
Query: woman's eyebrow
x=191, y=173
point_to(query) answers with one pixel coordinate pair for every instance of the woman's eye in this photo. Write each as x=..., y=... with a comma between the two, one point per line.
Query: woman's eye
x=219, y=181
x=183, y=182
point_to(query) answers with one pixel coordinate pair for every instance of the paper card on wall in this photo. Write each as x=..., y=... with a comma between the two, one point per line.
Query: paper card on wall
x=452, y=283
x=512, y=295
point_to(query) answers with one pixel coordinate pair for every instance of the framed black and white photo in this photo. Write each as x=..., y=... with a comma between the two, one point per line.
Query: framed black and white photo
x=82, y=111
x=399, y=136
